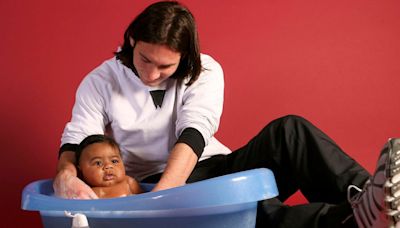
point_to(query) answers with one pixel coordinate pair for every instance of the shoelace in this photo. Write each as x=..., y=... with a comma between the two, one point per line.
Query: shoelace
x=354, y=198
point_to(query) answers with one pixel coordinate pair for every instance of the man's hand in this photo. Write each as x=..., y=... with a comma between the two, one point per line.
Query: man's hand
x=66, y=183
x=180, y=165
x=71, y=187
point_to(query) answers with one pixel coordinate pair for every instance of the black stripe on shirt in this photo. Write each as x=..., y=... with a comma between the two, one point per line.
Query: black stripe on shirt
x=67, y=147
x=193, y=138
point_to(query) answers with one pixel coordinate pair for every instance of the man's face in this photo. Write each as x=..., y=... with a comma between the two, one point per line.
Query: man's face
x=154, y=63
x=101, y=165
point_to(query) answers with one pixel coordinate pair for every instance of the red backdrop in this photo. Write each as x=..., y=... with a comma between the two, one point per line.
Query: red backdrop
x=334, y=62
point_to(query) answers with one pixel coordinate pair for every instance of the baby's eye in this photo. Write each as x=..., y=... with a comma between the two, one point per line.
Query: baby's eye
x=115, y=161
x=98, y=163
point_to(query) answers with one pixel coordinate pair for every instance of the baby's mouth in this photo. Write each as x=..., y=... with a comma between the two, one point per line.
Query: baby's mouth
x=109, y=177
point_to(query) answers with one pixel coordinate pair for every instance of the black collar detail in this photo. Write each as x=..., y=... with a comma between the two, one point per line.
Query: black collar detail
x=158, y=97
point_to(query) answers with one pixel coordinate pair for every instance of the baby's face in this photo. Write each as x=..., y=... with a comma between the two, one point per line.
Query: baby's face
x=101, y=165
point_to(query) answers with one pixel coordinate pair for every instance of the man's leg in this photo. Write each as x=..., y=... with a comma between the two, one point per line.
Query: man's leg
x=273, y=213
x=302, y=158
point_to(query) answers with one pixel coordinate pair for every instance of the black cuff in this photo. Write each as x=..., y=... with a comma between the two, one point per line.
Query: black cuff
x=193, y=138
x=67, y=147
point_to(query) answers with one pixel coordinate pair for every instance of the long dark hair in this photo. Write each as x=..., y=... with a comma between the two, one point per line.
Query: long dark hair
x=166, y=23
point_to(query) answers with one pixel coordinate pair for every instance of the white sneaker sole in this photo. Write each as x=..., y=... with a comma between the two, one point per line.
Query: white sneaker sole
x=392, y=185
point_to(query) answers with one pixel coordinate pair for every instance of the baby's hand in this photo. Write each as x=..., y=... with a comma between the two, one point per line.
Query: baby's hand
x=71, y=187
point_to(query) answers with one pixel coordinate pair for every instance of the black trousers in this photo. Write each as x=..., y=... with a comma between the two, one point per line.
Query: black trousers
x=302, y=158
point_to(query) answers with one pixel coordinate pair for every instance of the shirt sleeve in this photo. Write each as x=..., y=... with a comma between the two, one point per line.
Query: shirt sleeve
x=88, y=114
x=202, y=102
x=194, y=139
x=67, y=147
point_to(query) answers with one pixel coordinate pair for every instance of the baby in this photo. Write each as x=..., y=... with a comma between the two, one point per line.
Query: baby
x=101, y=167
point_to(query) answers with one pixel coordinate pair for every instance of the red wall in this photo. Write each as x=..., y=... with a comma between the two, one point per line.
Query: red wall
x=333, y=62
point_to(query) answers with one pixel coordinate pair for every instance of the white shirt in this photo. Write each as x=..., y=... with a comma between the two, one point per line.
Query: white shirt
x=112, y=95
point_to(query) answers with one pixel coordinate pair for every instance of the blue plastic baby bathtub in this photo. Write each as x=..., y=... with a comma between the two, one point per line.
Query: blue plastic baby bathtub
x=225, y=201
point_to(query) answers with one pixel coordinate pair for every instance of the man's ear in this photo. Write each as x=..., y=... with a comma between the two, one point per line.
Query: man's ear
x=132, y=42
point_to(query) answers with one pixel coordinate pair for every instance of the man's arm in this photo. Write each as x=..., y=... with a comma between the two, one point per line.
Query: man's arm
x=181, y=163
x=66, y=183
x=66, y=163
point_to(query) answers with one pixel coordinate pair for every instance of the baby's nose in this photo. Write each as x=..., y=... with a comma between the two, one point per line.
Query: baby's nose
x=108, y=166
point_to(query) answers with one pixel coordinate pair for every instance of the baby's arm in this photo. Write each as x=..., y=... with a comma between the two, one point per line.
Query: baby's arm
x=134, y=185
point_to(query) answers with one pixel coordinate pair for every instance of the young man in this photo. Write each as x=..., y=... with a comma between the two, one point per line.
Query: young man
x=163, y=100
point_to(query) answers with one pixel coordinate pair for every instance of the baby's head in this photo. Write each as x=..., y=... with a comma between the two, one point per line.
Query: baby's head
x=99, y=161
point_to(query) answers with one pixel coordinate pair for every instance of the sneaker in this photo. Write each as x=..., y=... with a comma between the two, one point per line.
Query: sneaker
x=377, y=204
